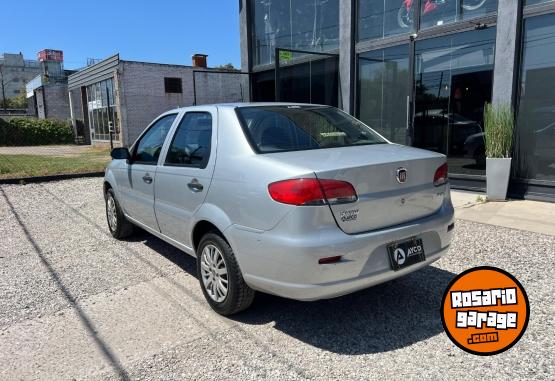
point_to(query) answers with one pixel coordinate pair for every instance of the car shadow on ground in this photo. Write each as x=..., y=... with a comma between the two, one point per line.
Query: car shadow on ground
x=383, y=318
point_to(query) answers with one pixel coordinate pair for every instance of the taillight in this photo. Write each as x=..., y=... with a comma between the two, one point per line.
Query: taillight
x=440, y=176
x=297, y=192
x=338, y=192
x=312, y=192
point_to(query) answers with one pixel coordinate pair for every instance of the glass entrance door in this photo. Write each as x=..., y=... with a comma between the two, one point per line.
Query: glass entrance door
x=453, y=81
x=383, y=91
x=307, y=77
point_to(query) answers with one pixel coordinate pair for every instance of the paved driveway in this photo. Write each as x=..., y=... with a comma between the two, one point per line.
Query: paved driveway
x=77, y=304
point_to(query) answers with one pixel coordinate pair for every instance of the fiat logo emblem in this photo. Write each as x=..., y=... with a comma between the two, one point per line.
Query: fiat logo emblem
x=401, y=175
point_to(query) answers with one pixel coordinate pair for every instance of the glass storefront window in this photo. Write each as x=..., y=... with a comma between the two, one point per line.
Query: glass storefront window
x=381, y=18
x=440, y=12
x=453, y=81
x=535, y=140
x=383, y=90
x=264, y=86
x=534, y=2
x=101, y=108
x=311, y=25
x=313, y=81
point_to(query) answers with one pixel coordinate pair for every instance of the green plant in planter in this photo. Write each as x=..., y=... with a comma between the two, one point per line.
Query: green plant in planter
x=499, y=128
x=499, y=124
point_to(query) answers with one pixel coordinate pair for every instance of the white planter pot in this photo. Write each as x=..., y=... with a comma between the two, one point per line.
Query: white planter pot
x=498, y=172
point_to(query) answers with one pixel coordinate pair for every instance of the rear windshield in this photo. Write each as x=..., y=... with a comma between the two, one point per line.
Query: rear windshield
x=297, y=128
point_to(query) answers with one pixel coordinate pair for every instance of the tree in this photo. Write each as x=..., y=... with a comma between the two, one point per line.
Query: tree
x=227, y=67
x=19, y=101
x=3, y=84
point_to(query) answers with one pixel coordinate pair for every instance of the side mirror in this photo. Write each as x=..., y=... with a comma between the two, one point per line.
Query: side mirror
x=120, y=153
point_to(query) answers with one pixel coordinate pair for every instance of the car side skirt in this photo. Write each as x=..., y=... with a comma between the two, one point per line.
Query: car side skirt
x=165, y=238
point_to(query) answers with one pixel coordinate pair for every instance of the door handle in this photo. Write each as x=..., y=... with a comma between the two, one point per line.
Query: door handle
x=195, y=186
x=147, y=179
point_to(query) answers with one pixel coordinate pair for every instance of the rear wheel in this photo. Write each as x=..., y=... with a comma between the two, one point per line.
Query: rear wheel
x=220, y=278
x=119, y=226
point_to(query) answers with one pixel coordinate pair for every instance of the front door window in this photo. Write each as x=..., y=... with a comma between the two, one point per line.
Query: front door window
x=150, y=145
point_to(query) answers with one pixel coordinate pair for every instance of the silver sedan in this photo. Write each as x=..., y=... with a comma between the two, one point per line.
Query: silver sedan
x=300, y=201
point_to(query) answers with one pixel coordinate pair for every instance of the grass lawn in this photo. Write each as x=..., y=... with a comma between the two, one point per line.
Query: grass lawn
x=15, y=166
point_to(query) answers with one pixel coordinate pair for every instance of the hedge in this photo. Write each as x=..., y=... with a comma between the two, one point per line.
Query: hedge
x=35, y=132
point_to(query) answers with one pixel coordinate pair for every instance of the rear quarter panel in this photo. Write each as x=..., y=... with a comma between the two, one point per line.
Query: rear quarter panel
x=240, y=182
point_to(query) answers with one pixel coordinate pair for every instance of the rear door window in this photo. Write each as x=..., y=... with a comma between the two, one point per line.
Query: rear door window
x=191, y=142
x=296, y=128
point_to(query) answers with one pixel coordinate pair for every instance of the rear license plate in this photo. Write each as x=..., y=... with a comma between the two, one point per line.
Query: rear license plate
x=405, y=253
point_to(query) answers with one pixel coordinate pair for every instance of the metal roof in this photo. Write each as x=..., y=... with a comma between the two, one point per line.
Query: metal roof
x=95, y=73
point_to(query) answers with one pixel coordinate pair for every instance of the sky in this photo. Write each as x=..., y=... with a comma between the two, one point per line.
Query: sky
x=162, y=31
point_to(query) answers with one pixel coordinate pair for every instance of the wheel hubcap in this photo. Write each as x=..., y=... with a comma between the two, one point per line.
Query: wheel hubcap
x=112, y=213
x=214, y=273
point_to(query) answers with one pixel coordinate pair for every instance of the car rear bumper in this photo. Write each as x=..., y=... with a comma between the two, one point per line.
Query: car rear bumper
x=309, y=292
x=284, y=261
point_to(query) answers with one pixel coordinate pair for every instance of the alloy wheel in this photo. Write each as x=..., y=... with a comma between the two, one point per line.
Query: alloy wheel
x=214, y=273
x=112, y=213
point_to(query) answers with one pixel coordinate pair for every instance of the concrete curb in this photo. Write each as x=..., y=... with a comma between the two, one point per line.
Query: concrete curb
x=42, y=179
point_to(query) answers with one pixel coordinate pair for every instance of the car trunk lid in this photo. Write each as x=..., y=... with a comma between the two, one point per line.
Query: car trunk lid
x=383, y=199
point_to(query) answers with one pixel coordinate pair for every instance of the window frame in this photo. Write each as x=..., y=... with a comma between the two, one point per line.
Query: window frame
x=257, y=63
x=176, y=130
x=168, y=81
x=135, y=146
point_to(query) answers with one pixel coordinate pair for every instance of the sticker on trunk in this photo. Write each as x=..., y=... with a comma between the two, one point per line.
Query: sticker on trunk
x=348, y=215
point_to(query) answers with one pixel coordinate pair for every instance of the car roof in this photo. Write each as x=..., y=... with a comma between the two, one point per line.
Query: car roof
x=248, y=104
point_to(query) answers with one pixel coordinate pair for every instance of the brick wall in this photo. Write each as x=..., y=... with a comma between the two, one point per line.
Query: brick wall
x=57, y=101
x=142, y=95
x=221, y=87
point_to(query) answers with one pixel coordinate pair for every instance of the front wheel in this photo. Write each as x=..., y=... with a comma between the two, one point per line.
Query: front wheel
x=220, y=278
x=119, y=226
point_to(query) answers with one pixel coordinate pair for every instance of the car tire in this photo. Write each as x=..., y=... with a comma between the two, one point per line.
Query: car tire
x=214, y=256
x=118, y=225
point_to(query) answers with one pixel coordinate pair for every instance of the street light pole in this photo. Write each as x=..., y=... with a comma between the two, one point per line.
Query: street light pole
x=3, y=90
